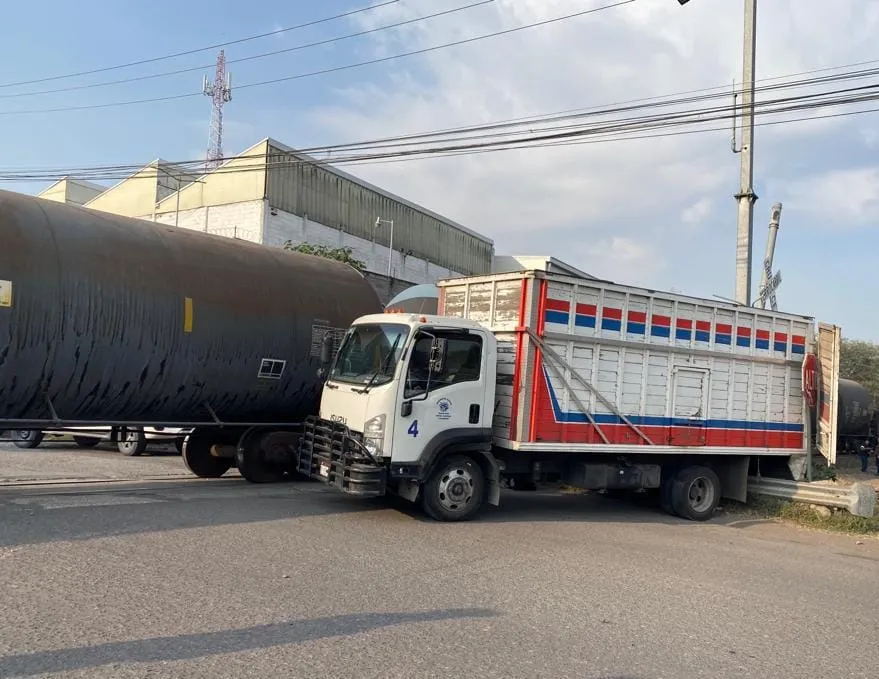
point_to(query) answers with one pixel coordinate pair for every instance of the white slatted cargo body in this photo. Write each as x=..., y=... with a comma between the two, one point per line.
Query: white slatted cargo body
x=590, y=366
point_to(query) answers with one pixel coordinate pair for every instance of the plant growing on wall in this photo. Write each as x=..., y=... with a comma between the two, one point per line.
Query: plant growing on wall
x=339, y=254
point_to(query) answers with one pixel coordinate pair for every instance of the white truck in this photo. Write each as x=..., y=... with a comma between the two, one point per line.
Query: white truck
x=533, y=376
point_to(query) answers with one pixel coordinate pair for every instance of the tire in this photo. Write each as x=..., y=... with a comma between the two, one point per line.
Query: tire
x=27, y=438
x=132, y=442
x=86, y=441
x=251, y=462
x=179, y=443
x=695, y=493
x=455, y=490
x=198, y=459
x=666, y=486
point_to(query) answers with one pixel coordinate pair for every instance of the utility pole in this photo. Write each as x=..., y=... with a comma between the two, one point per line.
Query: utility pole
x=746, y=196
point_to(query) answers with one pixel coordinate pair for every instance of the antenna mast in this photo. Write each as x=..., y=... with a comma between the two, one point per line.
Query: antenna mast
x=220, y=92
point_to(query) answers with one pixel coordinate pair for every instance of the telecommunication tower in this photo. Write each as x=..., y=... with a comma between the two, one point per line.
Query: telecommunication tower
x=220, y=92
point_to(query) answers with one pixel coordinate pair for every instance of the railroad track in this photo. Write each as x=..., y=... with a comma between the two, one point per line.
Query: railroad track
x=46, y=483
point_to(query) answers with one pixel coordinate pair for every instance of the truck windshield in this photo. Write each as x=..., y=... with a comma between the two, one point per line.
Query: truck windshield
x=365, y=355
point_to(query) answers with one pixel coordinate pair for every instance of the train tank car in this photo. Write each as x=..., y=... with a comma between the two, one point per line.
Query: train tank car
x=855, y=409
x=111, y=320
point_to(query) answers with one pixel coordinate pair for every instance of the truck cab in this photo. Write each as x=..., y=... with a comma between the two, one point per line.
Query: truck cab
x=407, y=408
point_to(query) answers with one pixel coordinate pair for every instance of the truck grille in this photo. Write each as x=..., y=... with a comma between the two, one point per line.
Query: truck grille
x=332, y=453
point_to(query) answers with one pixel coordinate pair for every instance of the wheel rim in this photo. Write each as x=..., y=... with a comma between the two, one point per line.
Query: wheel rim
x=129, y=441
x=700, y=495
x=455, y=489
x=25, y=434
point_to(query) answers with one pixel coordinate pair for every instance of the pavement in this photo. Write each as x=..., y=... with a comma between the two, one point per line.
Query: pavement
x=222, y=578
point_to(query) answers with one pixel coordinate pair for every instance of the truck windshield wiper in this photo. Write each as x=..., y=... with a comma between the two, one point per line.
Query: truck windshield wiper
x=382, y=367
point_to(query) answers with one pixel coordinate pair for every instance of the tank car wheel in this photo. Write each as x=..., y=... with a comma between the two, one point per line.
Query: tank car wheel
x=695, y=493
x=198, y=459
x=178, y=444
x=132, y=442
x=86, y=441
x=255, y=459
x=27, y=438
x=455, y=490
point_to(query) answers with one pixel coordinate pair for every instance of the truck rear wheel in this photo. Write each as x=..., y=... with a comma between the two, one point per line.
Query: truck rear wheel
x=27, y=438
x=695, y=493
x=198, y=459
x=455, y=490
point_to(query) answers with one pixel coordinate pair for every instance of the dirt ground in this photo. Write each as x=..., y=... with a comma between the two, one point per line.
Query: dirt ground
x=849, y=470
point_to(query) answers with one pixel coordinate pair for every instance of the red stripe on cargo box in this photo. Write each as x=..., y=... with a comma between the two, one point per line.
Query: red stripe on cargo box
x=557, y=305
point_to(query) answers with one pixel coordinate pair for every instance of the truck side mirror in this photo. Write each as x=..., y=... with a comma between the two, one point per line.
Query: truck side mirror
x=326, y=356
x=406, y=409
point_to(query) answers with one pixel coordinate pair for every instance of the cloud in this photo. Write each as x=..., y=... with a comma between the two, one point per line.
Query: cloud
x=623, y=259
x=697, y=212
x=841, y=198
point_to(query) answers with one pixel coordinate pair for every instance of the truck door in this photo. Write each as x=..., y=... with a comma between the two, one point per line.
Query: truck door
x=689, y=407
x=827, y=387
x=443, y=392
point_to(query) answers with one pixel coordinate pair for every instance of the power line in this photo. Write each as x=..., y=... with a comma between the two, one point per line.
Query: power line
x=262, y=55
x=543, y=119
x=335, y=69
x=184, y=53
x=609, y=131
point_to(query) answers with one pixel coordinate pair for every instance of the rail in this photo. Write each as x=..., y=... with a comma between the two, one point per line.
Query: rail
x=859, y=499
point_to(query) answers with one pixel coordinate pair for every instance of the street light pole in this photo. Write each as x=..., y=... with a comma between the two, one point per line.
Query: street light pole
x=378, y=222
x=746, y=196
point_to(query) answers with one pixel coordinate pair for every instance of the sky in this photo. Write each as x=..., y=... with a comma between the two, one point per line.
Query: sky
x=655, y=212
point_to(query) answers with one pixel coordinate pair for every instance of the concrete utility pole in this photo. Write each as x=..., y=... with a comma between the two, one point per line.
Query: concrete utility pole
x=746, y=196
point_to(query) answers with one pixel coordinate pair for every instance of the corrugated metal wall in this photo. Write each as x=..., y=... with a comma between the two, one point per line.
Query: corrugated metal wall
x=332, y=200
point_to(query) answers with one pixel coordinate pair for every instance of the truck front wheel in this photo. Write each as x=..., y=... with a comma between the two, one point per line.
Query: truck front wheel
x=695, y=493
x=455, y=490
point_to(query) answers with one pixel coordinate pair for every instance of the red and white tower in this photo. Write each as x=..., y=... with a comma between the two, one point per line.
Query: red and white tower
x=220, y=92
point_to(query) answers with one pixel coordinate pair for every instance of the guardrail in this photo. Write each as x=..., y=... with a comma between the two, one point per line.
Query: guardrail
x=859, y=498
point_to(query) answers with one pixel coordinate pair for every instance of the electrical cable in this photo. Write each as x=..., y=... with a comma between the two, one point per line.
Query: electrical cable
x=184, y=53
x=325, y=71
x=262, y=55
x=611, y=130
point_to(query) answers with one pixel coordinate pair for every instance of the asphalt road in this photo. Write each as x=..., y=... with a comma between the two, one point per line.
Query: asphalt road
x=227, y=579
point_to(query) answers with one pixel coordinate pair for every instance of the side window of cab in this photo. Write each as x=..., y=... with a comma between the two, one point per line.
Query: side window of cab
x=460, y=361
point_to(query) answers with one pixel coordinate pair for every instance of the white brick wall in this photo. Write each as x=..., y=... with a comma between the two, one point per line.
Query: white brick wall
x=235, y=220
x=284, y=226
x=253, y=221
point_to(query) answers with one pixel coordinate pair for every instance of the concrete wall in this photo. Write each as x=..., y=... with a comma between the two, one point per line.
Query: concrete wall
x=236, y=220
x=253, y=220
x=282, y=226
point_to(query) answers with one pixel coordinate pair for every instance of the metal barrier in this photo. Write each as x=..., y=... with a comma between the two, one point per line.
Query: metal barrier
x=859, y=498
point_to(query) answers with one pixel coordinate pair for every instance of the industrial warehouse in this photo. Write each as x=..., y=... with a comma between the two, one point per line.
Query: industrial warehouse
x=271, y=194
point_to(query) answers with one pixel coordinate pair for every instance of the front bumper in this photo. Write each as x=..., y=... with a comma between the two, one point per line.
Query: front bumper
x=330, y=452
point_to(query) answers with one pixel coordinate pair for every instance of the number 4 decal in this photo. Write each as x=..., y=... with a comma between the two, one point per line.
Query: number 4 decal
x=413, y=428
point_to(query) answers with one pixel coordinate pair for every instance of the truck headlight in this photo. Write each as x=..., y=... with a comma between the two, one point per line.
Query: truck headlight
x=374, y=435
